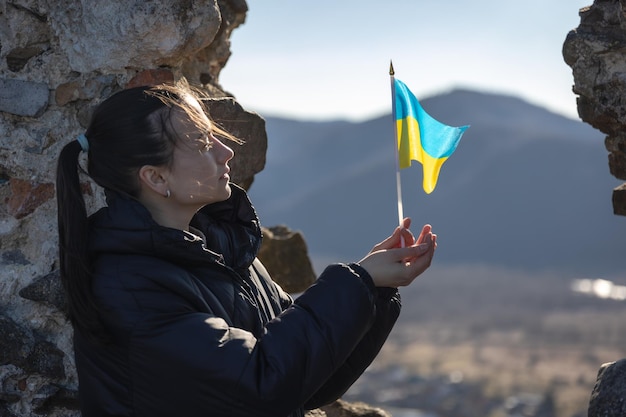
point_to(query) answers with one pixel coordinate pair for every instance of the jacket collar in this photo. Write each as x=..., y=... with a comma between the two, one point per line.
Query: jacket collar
x=231, y=227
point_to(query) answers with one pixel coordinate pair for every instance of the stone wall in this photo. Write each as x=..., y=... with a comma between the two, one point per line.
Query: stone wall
x=58, y=60
x=596, y=52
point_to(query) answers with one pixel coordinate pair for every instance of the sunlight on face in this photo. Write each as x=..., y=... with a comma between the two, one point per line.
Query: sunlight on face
x=199, y=174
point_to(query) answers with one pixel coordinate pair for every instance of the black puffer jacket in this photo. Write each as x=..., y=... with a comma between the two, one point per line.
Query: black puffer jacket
x=202, y=330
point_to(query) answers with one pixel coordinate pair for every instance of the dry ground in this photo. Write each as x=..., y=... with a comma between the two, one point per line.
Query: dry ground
x=511, y=331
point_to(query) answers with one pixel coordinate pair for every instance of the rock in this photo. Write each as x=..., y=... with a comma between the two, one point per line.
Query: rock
x=110, y=36
x=19, y=57
x=151, y=77
x=46, y=360
x=52, y=397
x=24, y=34
x=595, y=52
x=23, y=98
x=14, y=256
x=5, y=411
x=204, y=66
x=284, y=254
x=84, y=89
x=616, y=145
x=619, y=200
x=342, y=408
x=16, y=342
x=46, y=289
x=608, y=398
x=248, y=126
x=27, y=196
x=315, y=413
x=67, y=92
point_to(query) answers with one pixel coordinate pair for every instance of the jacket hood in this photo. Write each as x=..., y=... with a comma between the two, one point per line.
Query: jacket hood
x=231, y=227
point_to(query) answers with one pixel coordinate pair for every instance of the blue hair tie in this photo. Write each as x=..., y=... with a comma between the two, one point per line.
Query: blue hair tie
x=84, y=144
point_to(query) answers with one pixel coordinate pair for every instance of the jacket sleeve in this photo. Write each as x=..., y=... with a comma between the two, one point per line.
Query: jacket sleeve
x=387, y=307
x=211, y=367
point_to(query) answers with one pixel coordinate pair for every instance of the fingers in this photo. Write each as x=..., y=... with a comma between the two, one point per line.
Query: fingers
x=407, y=239
x=397, y=267
x=410, y=252
x=390, y=242
x=406, y=236
x=426, y=229
x=400, y=237
x=415, y=265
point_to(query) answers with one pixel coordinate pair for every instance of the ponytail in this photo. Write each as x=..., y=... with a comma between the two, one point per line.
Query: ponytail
x=130, y=129
x=75, y=265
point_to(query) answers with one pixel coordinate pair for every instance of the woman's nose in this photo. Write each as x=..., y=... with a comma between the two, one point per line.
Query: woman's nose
x=225, y=153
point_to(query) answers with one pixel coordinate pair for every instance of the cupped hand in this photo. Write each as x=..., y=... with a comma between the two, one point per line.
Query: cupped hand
x=400, y=237
x=391, y=265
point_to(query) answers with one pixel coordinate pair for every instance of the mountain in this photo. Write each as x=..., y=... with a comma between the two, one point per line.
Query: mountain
x=525, y=189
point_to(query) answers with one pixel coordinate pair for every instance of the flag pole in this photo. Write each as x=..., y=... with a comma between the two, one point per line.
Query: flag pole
x=395, y=128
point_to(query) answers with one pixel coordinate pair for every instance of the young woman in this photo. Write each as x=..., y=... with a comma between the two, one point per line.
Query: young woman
x=173, y=315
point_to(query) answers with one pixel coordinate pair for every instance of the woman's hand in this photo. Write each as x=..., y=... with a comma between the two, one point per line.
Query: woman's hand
x=399, y=259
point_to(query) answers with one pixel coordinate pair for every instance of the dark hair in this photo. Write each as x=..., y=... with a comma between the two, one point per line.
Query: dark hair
x=127, y=131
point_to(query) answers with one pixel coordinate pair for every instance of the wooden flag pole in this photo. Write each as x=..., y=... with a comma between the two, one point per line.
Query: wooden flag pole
x=395, y=128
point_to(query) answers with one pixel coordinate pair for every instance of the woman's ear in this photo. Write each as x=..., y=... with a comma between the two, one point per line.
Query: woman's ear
x=154, y=178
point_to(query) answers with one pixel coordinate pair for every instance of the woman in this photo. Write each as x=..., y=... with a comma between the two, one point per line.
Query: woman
x=173, y=314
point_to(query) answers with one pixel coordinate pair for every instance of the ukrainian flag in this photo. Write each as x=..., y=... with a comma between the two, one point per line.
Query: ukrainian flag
x=422, y=138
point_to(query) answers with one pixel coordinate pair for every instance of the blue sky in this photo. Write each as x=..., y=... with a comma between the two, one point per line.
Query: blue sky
x=329, y=59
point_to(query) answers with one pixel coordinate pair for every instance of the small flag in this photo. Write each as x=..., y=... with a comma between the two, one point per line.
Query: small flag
x=422, y=138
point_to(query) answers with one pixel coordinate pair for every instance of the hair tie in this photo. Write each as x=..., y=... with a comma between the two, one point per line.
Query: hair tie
x=84, y=143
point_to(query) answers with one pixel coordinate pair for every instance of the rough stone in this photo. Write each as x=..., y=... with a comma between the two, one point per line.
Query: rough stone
x=204, y=66
x=151, y=77
x=53, y=397
x=84, y=89
x=595, y=52
x=284, y=253
x=247, y=126
x=93, y=35
x=58, y=398
x=616, y=145
x=26, y=197
x=16, y=342
x=608, y=398
x=19, y=57
x=43, y=396
x=5, y=412
x=45, y=359
x=67, y=92
x=14, y=256
x=46, y=289
x=24, y=34
x=23, y=98
x=619, y=200
x=342, y=408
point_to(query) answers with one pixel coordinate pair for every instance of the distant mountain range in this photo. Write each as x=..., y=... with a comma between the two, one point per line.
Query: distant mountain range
x=526, y=188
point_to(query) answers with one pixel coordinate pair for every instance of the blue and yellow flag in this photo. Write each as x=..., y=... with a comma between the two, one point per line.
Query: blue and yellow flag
x=422, y=138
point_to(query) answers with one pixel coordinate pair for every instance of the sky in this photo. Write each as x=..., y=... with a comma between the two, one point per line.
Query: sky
x=329, y=59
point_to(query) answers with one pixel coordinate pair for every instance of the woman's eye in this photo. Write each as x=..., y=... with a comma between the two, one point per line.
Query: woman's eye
x=205, y=143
